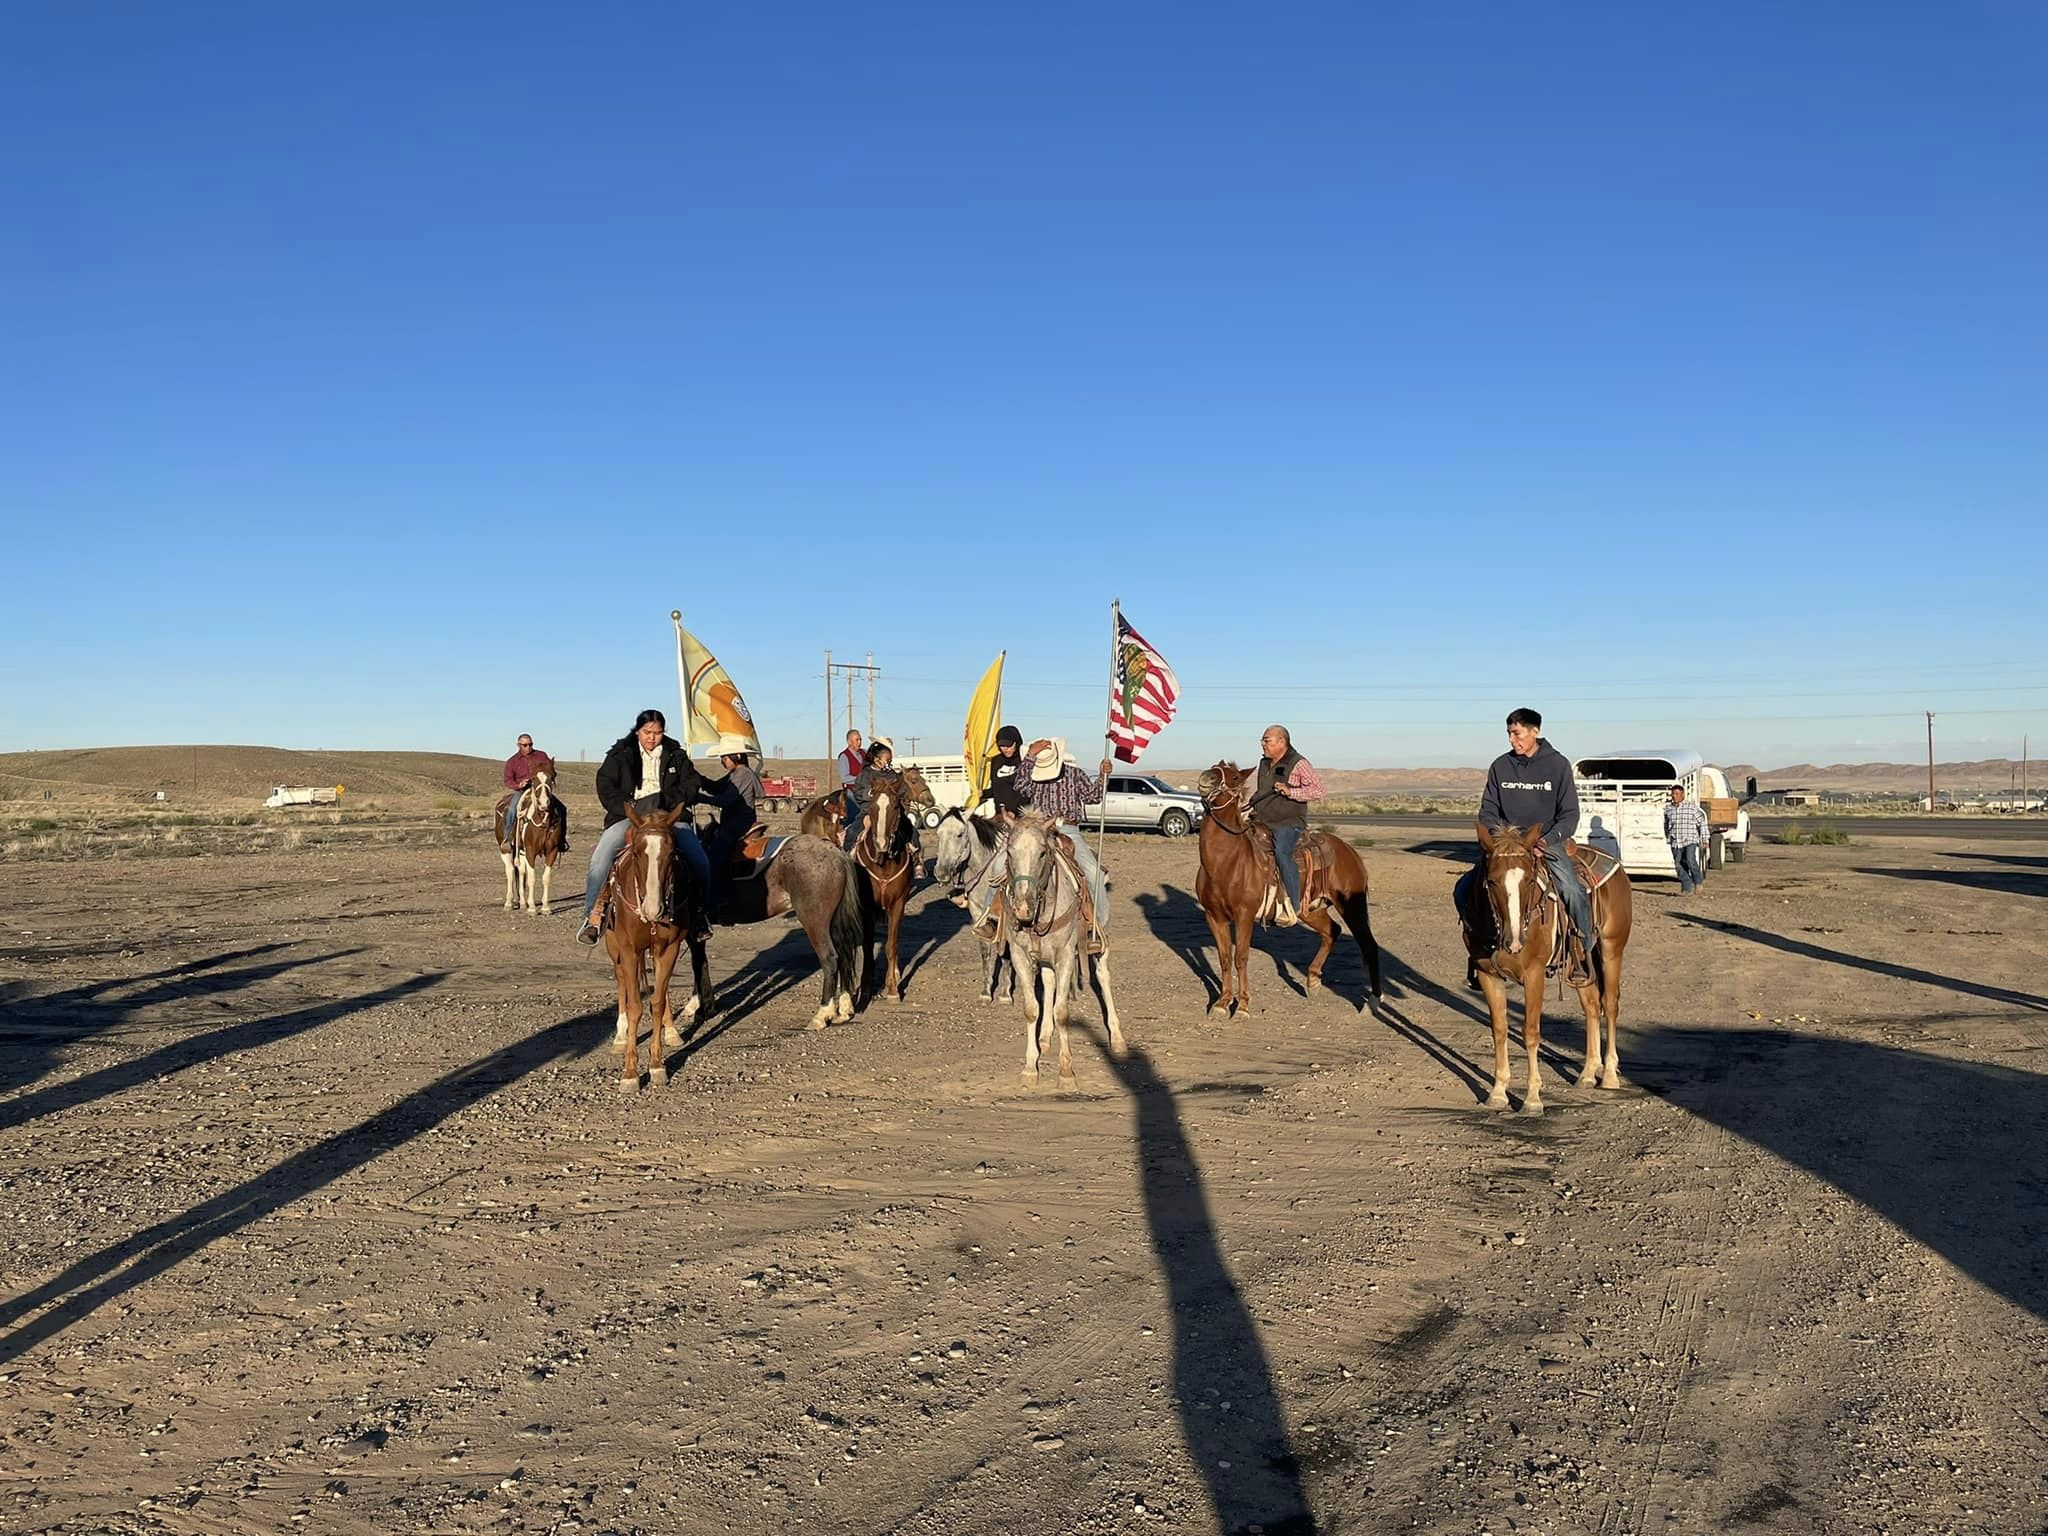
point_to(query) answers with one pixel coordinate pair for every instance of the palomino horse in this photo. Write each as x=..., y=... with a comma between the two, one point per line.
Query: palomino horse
x=825, y=817
x=536, y=844
x=1040, y=913
x=884, y=850
x=964, y=847
x=1514, y=931
x=1232, y=886
x=636, y=929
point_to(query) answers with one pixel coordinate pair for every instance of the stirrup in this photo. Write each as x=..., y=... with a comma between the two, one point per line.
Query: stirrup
x=1094, y=943
x=1284, y=915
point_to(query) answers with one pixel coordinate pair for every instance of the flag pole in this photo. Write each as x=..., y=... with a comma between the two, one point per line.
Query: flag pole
x=675, y=617
x=1108, y=745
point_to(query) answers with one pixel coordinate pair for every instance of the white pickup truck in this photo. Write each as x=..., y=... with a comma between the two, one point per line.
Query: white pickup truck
x=1622, y=796
x=294, y=794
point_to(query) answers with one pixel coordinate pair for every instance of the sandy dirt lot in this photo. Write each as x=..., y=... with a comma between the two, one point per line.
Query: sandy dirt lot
x=319, y=1211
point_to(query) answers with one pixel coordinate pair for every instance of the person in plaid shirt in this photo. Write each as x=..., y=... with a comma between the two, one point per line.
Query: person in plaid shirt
x=1685, y=829
x=1288, y=784
x=1057, y=789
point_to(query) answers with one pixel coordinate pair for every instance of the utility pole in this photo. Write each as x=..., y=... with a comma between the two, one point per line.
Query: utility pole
x=849, y=669
x=1930, y=760
x=913, y=746
x=828, y=704
x=871, y=695
x=2025, y=795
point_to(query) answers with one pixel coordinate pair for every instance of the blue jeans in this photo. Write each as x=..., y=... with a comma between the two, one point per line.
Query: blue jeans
x=1687, y=861
x=512, y=814
x=613, y=840
x=1284, y=839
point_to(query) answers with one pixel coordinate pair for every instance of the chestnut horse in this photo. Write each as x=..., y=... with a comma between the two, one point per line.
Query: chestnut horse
x=635, y=929
x=885, y=851
x=536, y=844
x=1232, y=888
x=1514, y=929
x=825, y=817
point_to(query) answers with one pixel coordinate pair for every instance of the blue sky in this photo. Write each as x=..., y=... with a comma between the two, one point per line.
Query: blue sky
x=380, y=376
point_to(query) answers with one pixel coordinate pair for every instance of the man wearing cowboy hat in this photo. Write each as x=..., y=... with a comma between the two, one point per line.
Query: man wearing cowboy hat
x=1053, y=784
x=739, y=804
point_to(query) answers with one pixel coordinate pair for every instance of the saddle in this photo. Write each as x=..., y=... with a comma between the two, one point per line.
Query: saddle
x=1595, y=869
x=1312, y=858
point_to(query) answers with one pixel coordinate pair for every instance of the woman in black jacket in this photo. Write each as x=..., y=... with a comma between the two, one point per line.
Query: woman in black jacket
x=646, y=770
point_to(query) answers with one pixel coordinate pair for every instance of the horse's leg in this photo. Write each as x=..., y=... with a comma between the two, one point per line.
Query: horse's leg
x=1589, y=1000
x=1226, y=993
x=627, y=965
x=1065, y=975
x=1532, y=1036
x=892, y=987
x=1244, y=973
x=505, y=854
x=1496, y=992
x=1610, y=965
x=664, y=1029
x=1358, y=914
x=1035, y=1020
x=1116, y=1033
x=991, y=960
x=1326, y=930
x=547, y=886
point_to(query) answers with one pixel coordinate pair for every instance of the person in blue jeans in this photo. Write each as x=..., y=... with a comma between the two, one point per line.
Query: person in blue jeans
x=646, y=770
x=1685, y=829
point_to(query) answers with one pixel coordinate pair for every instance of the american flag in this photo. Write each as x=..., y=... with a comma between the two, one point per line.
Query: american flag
x=1142, y=698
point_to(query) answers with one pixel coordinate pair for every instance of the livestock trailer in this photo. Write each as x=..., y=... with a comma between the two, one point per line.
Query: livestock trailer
x=1622, y=796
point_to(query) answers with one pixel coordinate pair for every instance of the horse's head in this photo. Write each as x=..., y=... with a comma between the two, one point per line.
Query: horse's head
x=917, y=794
x=539, y=791
x=1226, y=790
x=1034, y=871
x=650, y=840
x=885, y=809
x=952, y=846
x=1511, y=880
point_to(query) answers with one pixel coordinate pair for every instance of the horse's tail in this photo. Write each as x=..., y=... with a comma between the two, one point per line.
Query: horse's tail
x=849, y=925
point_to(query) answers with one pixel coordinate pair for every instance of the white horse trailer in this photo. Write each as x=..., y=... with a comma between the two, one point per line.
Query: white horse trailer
x=945, y=776
x=1622, y=796
x=295, y=794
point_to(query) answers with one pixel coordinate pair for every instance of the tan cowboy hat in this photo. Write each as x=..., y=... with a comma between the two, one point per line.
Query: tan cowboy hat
x=883, y=741
x=1052, y=762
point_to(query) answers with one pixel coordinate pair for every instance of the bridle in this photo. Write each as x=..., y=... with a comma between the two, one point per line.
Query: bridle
x=1514, y=942
x=1031, y=885
x=1225, y=794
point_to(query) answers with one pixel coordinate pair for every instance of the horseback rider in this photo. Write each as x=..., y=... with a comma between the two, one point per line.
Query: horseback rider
x=738, y=798
x=879, y=763
x=1288, y=784
x=650, y=772
x=1057, y=789
x=1531, y=785
x=520, y=768
x=851, y=760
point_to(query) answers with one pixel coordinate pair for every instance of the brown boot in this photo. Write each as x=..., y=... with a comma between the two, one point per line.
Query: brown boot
x=1579, y=964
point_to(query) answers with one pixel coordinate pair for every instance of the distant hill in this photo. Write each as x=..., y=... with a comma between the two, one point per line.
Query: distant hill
x=239, y=777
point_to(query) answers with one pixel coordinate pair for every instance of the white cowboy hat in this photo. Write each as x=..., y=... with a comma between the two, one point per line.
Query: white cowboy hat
x=1052, y=762
x=883, y=741
x=734, y=746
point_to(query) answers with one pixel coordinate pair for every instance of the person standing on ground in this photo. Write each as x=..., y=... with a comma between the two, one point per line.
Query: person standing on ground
x=1685, y=829
x=1288, y=785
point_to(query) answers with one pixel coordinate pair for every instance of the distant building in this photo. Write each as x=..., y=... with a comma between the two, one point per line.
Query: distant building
x=1787, y=796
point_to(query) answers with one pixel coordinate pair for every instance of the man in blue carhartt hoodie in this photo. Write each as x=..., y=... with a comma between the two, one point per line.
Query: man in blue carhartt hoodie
x=1530, y=785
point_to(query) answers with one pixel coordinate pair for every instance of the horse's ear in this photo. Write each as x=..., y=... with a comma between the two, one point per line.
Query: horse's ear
x=632, y=815
x=1531, y=836
x=1485, y=836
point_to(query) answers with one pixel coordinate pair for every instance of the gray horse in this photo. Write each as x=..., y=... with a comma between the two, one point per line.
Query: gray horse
x=1043, y=898
x=963, y=847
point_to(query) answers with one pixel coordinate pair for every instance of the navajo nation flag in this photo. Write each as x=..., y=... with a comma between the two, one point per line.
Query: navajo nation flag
x=1143, y=695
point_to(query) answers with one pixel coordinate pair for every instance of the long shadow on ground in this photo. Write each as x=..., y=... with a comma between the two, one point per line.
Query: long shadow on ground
x=1177, y=921
x=1890, y=968
x=1243, y=1451
x=2008, y=882
x=93, y=1281
x=1948, y=1151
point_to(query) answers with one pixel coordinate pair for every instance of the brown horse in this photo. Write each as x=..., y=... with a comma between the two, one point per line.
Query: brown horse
x=635, y=929
x=535, y=844
x=1514, y=930
x=886, y=852
x=1234, y=884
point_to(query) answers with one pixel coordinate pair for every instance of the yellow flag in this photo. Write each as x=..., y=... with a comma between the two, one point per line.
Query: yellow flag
x=984, y=717
x=714, y=714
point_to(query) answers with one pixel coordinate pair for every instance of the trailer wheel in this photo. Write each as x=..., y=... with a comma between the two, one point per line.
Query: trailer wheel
x=1717, y=852
x=1735, y=852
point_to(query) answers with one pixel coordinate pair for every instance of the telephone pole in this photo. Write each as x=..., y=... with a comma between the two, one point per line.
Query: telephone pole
x=1930, y=760
x=848, y=669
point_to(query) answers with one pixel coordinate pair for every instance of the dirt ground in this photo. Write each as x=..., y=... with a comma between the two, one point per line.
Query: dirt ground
x=319, y=1211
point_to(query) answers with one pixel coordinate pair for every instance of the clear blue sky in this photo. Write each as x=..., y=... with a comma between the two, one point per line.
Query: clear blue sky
x=381, y=375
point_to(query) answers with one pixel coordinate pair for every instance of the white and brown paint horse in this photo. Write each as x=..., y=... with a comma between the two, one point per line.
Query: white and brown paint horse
x=536, y=844
x=649, y=919
x=1514, y=931
x=1039, y=910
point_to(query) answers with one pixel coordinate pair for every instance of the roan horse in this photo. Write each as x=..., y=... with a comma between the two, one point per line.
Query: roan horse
x=636, y=930
x=536, y=844
x=1514, y=931
x=1232, y=887
x=1039, y=911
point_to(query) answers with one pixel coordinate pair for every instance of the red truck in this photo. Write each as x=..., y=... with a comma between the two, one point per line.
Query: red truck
x=779, y=794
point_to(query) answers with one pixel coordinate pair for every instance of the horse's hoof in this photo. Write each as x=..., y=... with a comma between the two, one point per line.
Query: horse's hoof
x=1030, y=1079
x=1612, y=1080
x=819, y=1020
x=1068, y=1082
x=1498, y=1099
x=1532, y=1109
x=629, y=1085
x=1118, y=1050
x=1586, y=1079
x=670, y=1038
x=1314, y=983
x=657, y=1077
